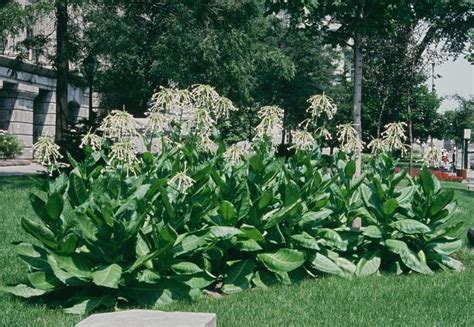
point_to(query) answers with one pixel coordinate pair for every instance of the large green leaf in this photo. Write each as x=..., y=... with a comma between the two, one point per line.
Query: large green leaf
x=427, y=181
x=45, y=281
x=442, y=200
x=186, y=268
x=55, y=205
x=22, y=291
x=227, y=210
x=369, y=264
x=77, y=264
x=197, y=281
x=292, y=193
x=409, y=258
x=305, y=240
x=322, y=263
x=372, y=231
x=265, y=199
x=239, y=276
x=247, y=245
x=190, y=243
x=33, y=255
x=312, y=217
x=224, y=232
x=410, y=226
x=350, y=169
x=84, y=305
x=77, y=190
x=39, y=207
x=445, y=247
x=390, y=206
x=252, y=232
x=40, y=232
x=280, y=215
x=284, y=260
x=108, y=276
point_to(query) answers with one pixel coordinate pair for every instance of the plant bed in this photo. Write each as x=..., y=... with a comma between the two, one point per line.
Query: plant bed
x=120, y=229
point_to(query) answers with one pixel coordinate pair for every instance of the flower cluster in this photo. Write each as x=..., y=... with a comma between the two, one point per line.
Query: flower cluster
x=303, y=140
x=432, y=156
x=349, y=138
x=119, y=125
x=47, y=154
x=181, y=182
x=236, y=152
x=271, y=118
x=321, y=104
x=91, y=139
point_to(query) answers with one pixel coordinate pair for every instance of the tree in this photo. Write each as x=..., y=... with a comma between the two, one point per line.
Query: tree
x=356, y=23
x=459, y=119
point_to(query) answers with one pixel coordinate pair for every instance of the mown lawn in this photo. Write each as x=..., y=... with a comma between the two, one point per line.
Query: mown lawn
x=445, y=299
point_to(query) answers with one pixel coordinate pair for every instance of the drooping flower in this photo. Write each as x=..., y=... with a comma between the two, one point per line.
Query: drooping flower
x=321, y=104
x=322, y=132
x=118, y=125
x=206, y=144
x=348, y=138
x=432, y=156
x=236, y=152
x=270, y=121
x=181, y=182
x=91, y=139
x=377, y=145
x=124, y=152
x=47, y=154
x=157, y=123
x=394, y=137
x=303, y=140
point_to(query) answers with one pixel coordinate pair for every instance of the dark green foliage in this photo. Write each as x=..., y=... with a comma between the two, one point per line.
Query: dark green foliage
x=10, y=145
x=112, y=239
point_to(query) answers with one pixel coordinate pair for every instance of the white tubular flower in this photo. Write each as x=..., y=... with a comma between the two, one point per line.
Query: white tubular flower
x=47, y=153
x=124, y=152
x=91, y=139
x=119, y=124
x=319, y=104
x=394, y=137
x=348, y=138
x=206, y=144
x=222, y=107
x=377, y=145
x=203, y=119
x=432, y=156
x=303, y=140
x=181, y=182
x=157, y=123
x=324, y=133
x=235, y=153
x=270, y=121
x=204, y=95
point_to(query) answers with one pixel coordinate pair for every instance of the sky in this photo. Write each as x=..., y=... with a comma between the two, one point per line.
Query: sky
x=457, y=77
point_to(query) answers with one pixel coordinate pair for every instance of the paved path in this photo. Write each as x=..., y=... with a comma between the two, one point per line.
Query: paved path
x=32, y=169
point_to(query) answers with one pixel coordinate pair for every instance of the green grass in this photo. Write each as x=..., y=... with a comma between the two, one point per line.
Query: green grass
x=445, y=299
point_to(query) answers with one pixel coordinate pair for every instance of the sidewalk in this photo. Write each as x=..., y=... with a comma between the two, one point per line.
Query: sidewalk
x=32, y=169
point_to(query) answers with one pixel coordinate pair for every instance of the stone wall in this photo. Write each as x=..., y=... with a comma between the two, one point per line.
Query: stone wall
x=28, y=103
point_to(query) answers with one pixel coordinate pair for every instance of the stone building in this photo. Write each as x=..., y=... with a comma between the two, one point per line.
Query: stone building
x=27, y=90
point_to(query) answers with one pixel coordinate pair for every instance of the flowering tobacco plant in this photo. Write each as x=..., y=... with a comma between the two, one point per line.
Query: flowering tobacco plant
x=149, y=228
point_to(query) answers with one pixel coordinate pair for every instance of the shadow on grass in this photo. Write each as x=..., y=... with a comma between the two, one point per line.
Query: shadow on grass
x=12, y=183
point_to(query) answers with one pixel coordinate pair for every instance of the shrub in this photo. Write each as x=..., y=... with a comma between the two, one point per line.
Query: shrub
x=147, y=229
x=10, y=146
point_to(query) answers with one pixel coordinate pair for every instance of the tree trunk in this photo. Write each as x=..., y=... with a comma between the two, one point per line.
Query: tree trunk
x=356, y=113
x=62, y=68
x=410, y=135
